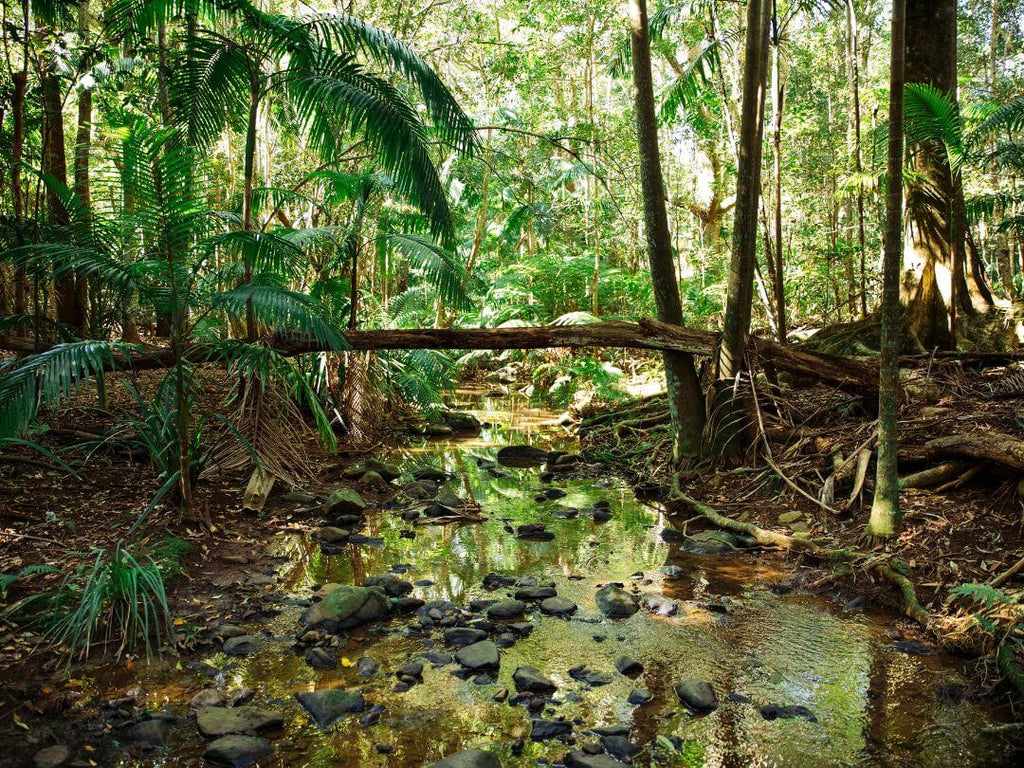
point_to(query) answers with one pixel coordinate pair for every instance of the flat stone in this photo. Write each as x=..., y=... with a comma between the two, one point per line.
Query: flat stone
x=208, y=697
x=227, y=631
x=535, y=593
x=522, y=456
x=346, y=607
x=710, y=543
x=789, y=517
x=627, y=665
x=479, y=656
x=152, y=733
x=639, y=695
x=329, y=706
x=242, y=645
x=321, y=658
x=329, y=534
x=469, y=758
x=696, y=695
x=220, y=721
x=391, y=584
x=52, y=757
x=344, y=501
x=589, y=677
x=542, y=730
x=463, y=635
x=237, y=751
x=780, y=711
x=615, y=602
x=506, y=609
x=532, y=680
x=558, y=606
x=580, y=759
x=367, y=666
x=430, y=474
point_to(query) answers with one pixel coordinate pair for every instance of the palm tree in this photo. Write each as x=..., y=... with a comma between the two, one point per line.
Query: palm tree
x=150, y=234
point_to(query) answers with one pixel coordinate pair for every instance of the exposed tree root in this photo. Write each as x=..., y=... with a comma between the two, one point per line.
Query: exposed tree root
x=911, y=607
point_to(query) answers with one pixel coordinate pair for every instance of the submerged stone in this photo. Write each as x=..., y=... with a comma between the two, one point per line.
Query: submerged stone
x=329, y=706
x=220, y=721
x=542, y=730
x=242, y=645
x=237, y=751
x=558, y=606
x=344, y=501
x=780, y=711
x=696, y=695
x=506, y=609
x=469, y=758
x=391, y=584
x=346, y=607
x=532, y=680
x=581, y=759
x=615, y=602
x=479, y=656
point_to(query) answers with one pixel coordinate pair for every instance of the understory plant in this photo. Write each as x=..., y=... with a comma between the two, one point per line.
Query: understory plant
x=999, y=615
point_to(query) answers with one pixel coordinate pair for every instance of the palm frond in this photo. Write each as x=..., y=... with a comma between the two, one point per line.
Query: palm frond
x=442, y=268
x=288, y=312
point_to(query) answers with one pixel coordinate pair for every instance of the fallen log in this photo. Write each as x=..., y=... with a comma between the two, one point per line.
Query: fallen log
x=844, y=373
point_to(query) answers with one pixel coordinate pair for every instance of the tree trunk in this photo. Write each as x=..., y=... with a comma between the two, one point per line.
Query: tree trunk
x=885, y=508
x=935, y=238
x=778, y=96
x=853, y=57
x=686, y=402
x=83, y=146
x=17, y=192
x=744, y=236
x=69, y=309
x=248, y=171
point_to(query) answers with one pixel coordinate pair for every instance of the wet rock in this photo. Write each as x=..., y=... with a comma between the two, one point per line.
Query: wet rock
x=530, y=679
x=566, y=513
x=408, y=604
x=391, y=584
x=438, y=659
x=501, y=695
x=344, y=501
x=52, y=757
x=433, y=429
x=542, y=730
x=237, y=751
x=373, y=479
x=348, y=522
x=413, y=670
x=330, y=534
x=522, y=456
x=469, y=758
x=615, y=602
x=329, y=706
x=660, y=605
x=672, y=571
x=710, y=543
x=462, y=422
x=479, y=656
x=346, y=607
x=506, y=609
x=320, y=658
x=790, y=517
x=243, y=645
x=367, y=666
x=208, y=697
x=554, y=493
x=372, y=541
x=151, y=733
x=533, y=593
x=430, y=475
x=639, y=695
x=912, y=648
x=494, y=581
x=855, y=604
x=619, y=746
x=227, y=631
x=463, y=635
x=298, y=497
x=627, y=665
x=696, y=695
x=671, y=535
x=372, y=717
x=534, y=532
x=558, y=606
x=589, y=677
x=779, y=711
x=581, y=759
x=601, y=514
x=220, y=721
x=738, y=698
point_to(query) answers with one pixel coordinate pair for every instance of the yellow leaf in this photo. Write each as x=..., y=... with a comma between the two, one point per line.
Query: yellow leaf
x=346, y=661
x=179, y=622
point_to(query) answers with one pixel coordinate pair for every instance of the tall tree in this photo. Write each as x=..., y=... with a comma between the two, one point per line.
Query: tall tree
x=885, y=508
x=686, y=401
x=738, y=306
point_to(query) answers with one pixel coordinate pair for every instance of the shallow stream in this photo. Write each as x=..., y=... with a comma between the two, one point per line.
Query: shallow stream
x=872, y=704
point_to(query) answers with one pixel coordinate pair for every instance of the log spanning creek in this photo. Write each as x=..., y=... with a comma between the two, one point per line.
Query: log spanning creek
x=494, y=637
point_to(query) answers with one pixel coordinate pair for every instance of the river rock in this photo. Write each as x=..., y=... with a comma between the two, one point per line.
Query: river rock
x=151, y=733
x=463, y=635
x=344, y=501
x=462, y=422
x=580, y=759
x=534, y=532
x=52, y=757
x=430, y=474
x=542, y=730
x=531, y=680
x=790, y=517
x=522, y=456
x=539, y=592
x=208, y=697
x=615, y=602
x=639, y=695
x=627, y=665
x=469, y=758
x=589, y=677
x=391, y=584
x=321, y=658
x=329, y=706
x=346, y=607
x=780, y=711
x=479, y=656
x=558, y=606
x=367, y=666
x=227, y=631
x=710, y=543
x=659, y=604
x=696, y=695
x=237, y=751
x=506, y=609
x=242, y=645
x=373, y=479
x=220, y=721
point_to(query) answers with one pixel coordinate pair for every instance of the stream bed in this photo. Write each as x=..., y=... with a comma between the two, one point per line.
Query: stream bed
x=725, y=619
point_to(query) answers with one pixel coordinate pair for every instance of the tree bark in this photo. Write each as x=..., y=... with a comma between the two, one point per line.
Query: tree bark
x=885, y=517
x=778, y=102
x=853, y=29
x=686, y=401
x=739, y=303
